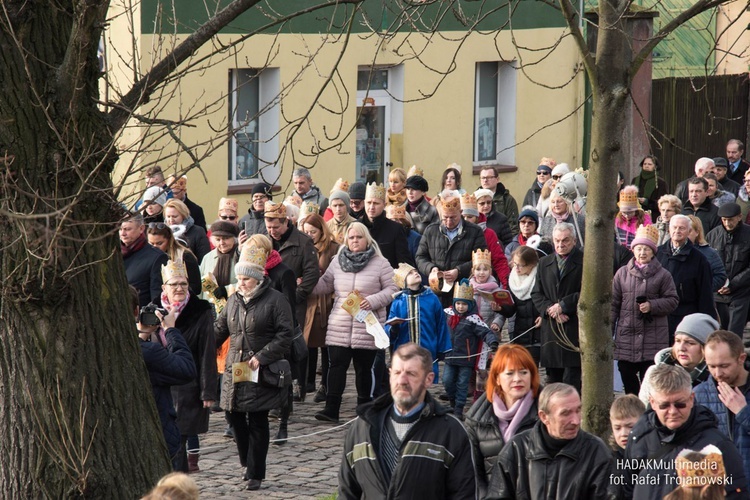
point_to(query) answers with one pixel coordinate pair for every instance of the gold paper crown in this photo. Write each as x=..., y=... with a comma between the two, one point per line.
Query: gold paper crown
x=451, y=205
x=454, y=165
x=308, y=208
x=696, y=469
x=400, y=274
x=253, y=256
x=629, y=199
x=651, y=232
x=375, y=191
x=550, y=162
x=228, y=204
x=173, y=269
x=481, y=257
x=415, y=170
x=469, y=201
x=294, y=200
x=341, y=185
x=180, y=183
x=274, y=210
x=395, y=212
x=464, y=291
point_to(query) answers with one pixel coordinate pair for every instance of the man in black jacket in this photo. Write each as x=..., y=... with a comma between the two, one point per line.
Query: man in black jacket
x=142, y=261
x=700, y=205
x=731, y=241
x=389, y=235
x=555, y=458
x=672, y=424
x=405, y=444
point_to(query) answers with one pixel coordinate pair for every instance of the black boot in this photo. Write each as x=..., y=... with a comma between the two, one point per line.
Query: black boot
x=331, y=412
x=281, y=435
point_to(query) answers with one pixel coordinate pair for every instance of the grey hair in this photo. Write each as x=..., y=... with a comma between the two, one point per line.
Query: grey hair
x=679, y=217
x=565, y=226
x=136, y=217
x=702, y=163
x=670, y=379
x=301, y=172
x=552, y=390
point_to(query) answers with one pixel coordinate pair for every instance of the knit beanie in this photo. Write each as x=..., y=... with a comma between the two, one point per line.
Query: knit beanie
x=698, y=325
x=339, y=195
x=528, y=211
x=262, y=188
x=252, y=262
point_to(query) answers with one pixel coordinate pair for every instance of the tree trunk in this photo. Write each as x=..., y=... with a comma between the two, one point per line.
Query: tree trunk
x=78, y=417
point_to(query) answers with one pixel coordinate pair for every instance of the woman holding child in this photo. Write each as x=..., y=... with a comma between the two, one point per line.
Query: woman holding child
x=508, y=406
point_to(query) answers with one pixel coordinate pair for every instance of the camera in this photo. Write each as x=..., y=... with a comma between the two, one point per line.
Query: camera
x=147, y=315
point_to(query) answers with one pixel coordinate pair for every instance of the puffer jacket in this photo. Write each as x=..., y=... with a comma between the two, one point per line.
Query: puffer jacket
x=707, y=394
x=435, y=458
x=424, y=215
x=299, y=254
x=263, y=326
x=196, y=239
x=486, y=438
x=734, y=250
x=526, y=469
x=374, y=282
x=649, y=445
x=253, y=222
x=467, y=338
x=436, y=250
x=636, y=339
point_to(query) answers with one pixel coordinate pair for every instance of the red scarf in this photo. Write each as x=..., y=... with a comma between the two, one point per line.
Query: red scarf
x=274, y=259
x=138, y=244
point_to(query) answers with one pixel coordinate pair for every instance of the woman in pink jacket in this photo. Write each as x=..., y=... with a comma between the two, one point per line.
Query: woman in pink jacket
x=358, y=266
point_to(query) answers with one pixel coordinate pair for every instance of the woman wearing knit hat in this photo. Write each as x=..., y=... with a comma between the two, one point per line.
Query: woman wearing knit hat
x=153, y=202
x=630, y=216
x=643, y=295
x=687, y=351
x=258, y=322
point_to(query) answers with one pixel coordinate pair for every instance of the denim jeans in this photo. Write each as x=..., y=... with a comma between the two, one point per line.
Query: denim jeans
x=456, y=382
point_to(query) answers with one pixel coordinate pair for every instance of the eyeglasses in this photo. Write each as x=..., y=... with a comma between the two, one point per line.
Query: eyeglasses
x=227, y=217
x=157, y=225
x=557, y=177
x=679, y=405
x=356, y=202
x=488, y=177
x=178, y=285
x=542, y=172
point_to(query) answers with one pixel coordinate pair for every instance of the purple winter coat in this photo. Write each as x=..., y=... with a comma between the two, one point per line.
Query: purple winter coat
x=635, y=339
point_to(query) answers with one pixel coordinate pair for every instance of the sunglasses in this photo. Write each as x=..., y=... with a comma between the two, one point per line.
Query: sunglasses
x=557, y=177
x=228, y=217
x=542, y=172
x=679, y=405
x=157, y=225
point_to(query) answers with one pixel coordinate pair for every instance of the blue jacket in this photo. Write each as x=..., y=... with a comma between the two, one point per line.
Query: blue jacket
x=168, y=366
x=707, y=394
x=467, y=338
x=428, y=329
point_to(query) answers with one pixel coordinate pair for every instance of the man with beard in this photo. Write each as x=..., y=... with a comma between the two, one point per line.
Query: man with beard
x=405, y=444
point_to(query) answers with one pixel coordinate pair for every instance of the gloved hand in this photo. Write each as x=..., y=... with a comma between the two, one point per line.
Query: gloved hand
x=220, y=292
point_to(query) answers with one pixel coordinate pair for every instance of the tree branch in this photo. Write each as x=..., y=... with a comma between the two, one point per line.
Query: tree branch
x=569, y=11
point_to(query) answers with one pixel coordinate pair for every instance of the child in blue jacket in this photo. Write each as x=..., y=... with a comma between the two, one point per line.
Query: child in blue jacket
x=468, y=332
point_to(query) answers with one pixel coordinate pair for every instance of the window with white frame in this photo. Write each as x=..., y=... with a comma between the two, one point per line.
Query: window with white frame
x=254, y=125
x=495, y=114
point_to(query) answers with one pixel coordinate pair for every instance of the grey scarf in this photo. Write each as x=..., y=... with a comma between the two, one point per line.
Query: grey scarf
x=354, y=262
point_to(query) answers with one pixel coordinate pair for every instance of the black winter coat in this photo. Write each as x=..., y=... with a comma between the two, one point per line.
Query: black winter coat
x=707, y=212
x=391, y=237
x=734, y=250
x=532, y=195
x=486, y=438
x=526, y=469
x=263, y=327
x=168, y=366
x=549, y=289
x=648, y=442
x=196, y=324
x=525, y=314
x=283, y=280
x=435, y=461
x=299, y=254
x=196, y=212
x=467, y=338
x=143, y=270
x=435, y=250
x=498, y=222
x=253, y=222
x=197, y=241
x=691, y=273
x=424, y=215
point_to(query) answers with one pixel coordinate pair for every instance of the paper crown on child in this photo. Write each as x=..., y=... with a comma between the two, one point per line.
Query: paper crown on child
x=696, y=469
x=454, y=165
x=469, y=205
x=308, y=208
x=400, y=274
x=252, y=262
x=274, y=210
x=451, y=206
x=415, y=170
x=396, y=212
x=375, y=191
x=464, y=291
x=479, y=257
x=340, y=185
x=294, y=199
x=173, y=269
x=228, y=204
x=629, y=199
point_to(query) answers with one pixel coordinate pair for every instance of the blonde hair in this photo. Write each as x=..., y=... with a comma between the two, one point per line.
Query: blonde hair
x=174, y=486
x=178, y=205
x=260, y=241
x=364, y=232
x=399, y=174
x=697, y=225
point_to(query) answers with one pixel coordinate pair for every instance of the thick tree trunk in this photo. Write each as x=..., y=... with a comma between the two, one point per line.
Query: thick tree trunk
x=77, y=416
x=610, y=93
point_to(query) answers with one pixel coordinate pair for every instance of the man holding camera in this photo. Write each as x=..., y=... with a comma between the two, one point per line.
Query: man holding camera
x=168, y=361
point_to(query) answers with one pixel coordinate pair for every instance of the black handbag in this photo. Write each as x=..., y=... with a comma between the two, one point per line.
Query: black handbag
x=298, y=352
x=276, y=375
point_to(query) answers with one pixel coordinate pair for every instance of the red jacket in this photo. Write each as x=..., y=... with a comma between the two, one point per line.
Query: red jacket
x=499, y=261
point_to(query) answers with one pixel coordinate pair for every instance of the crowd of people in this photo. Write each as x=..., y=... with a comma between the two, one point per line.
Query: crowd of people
x=387, y=276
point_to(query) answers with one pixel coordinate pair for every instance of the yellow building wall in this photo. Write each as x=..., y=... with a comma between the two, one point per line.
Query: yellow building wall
x=436, y=131
x=733, y=39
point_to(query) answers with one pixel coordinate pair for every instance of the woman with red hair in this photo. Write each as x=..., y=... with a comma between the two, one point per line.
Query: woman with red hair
x=508, y=407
